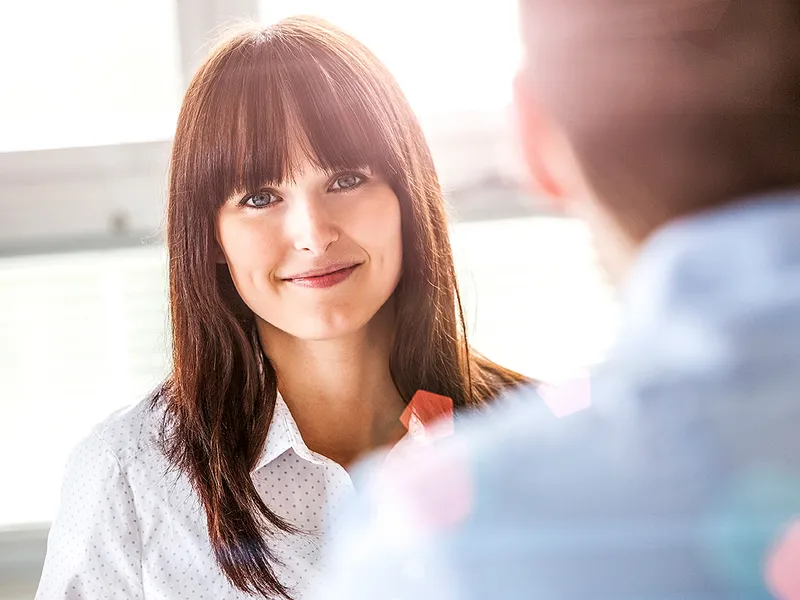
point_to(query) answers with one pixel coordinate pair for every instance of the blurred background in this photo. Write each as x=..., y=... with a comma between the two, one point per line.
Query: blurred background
x=88, y=102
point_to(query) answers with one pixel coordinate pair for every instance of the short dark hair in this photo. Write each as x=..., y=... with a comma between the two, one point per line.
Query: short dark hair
x=672, y=106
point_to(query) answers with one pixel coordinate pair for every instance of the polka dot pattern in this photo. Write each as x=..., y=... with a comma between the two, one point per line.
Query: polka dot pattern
x=131, y=527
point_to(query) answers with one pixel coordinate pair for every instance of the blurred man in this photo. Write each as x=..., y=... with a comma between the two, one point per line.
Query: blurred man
x=673, y=128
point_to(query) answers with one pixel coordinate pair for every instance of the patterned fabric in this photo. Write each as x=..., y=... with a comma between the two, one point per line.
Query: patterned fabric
x=130, y=527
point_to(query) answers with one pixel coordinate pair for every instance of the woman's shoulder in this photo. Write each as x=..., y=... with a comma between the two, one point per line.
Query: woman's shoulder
x=108, y=499
x=129, y=434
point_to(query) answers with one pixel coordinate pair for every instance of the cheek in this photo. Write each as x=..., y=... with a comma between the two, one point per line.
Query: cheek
x=378, y=230
x=249, y=250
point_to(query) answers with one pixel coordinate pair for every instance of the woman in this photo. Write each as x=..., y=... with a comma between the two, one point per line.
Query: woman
x=312, y=293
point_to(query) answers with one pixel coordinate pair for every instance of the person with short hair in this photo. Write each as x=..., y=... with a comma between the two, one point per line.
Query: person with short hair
x=672, y=127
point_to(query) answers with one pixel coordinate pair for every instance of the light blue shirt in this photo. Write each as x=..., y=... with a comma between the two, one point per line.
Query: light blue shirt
x=681, y=481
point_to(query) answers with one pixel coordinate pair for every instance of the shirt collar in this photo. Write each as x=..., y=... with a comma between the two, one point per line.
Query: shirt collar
x=700, y=283
x=284, y=435
x=724, y=255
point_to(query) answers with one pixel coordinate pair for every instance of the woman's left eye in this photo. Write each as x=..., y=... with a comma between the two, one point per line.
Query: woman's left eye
x=348, y=181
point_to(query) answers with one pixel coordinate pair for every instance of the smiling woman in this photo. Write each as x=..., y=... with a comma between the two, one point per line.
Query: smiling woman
x=284, y=244
x=312, y=294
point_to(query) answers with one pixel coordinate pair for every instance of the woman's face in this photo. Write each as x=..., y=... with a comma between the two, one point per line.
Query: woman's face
x=315, y=257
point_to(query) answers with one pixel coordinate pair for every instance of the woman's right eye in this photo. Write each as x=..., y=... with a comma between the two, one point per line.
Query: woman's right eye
x=261, y=199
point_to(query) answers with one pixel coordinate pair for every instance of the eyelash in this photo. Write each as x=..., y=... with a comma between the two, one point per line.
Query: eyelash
x=361, y=180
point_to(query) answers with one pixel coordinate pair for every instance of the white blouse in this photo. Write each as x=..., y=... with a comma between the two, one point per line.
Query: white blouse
x=130, y=527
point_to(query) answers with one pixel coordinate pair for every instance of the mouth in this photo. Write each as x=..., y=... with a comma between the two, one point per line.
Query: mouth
x=323, y=278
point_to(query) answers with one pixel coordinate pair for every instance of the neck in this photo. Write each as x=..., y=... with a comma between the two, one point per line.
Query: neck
x=616, y=248
x=340, y=391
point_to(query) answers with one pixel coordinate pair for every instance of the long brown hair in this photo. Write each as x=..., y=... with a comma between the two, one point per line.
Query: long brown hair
x=303, y=81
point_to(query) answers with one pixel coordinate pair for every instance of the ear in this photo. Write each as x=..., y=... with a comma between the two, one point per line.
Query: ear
x=540, y=144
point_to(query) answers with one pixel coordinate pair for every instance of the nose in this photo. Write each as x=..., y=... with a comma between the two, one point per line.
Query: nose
x=311, y=227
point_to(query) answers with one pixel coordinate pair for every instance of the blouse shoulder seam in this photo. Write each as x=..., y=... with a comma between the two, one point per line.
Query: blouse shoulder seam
x=124, y=476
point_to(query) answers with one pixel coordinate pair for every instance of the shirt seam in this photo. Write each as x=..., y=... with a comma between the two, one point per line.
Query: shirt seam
x=135, y=508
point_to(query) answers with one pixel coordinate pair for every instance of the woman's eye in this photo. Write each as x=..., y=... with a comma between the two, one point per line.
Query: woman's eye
x=260, y=199
x=344, y=182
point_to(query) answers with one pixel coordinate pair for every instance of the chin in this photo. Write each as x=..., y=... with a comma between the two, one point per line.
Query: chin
x=328, y=327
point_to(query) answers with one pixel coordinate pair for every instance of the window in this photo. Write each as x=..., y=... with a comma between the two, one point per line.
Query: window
x=83, y=334
x=87, y=72
x=535, y=298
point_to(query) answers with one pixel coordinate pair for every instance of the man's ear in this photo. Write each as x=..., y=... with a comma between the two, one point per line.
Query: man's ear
x=540, y=142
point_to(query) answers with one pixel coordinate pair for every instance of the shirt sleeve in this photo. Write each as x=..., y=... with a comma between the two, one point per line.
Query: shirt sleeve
x=94, y=545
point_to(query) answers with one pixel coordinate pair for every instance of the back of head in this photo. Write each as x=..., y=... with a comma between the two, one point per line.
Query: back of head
x=671, y=106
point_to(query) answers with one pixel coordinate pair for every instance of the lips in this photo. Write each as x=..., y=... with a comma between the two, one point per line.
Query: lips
x=324, y=277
